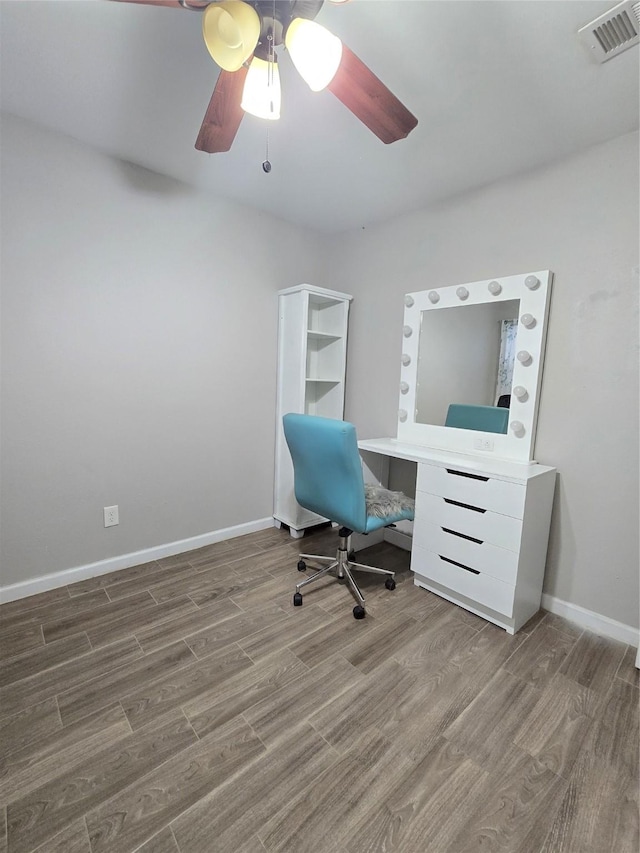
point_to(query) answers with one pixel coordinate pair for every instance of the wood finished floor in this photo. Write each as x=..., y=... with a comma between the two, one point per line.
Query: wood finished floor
x=184, y=706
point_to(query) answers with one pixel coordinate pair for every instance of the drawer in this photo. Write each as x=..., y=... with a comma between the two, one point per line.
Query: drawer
x=480, y=587
x=501, y=530
x=481, y=491
x=476, y=554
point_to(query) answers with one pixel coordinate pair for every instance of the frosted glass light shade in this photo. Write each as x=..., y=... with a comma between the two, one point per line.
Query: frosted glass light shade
x=495, y=288
x=532, y=282
x=315, y=52
x=434, y=297
x=408, y=301
x=517, y=428
x=402, y=415
x=528, y=321
x=230, y=30
x=462, y=293
x=261, y=95
x=407, y=331
x=524, y=357
x=406, y=359
x=404, y=387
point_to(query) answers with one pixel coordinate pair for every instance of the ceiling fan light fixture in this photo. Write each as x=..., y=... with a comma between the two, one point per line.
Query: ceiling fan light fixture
x=315, y=52
x=261, y=95
x=230, y=30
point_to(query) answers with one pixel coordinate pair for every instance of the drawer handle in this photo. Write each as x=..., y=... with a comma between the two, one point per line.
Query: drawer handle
x=470, y=476
x=464, y=506
x=459, y=565
x=462, y=535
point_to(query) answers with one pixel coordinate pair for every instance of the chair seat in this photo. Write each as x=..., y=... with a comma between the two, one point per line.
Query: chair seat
x=386, y=507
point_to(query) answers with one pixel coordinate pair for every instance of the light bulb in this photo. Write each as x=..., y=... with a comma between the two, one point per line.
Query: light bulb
x=315, y=52
x=520, y=393
x=494, y=287
x=404, y=387
x=517, y=427
x=532, y=282
x=528, y=320
x=524, y=357
x=406, y=359
x=407, y=331
x=434, y=296
x=261, y=94
x=402, y=415
x=462, y=293
x=408, y=301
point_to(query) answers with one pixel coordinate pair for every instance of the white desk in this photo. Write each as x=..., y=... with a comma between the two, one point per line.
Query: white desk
x=481, y=529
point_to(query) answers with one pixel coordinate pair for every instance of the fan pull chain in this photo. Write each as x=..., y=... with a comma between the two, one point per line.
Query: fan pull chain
x=266, y=165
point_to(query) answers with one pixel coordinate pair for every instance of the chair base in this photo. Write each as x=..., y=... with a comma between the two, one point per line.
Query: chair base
x=343, y=567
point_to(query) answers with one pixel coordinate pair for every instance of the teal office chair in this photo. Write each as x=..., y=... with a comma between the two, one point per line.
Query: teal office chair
x=483, y=418
x=328, y=480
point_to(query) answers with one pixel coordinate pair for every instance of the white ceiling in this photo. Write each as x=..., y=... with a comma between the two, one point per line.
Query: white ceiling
x=498, y=86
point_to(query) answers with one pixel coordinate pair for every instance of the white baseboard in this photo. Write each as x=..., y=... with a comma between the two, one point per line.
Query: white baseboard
x=398, y=537
x=125, y=561
x=591, y=621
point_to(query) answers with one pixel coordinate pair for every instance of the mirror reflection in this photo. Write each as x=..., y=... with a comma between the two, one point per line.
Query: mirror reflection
x=465, y=358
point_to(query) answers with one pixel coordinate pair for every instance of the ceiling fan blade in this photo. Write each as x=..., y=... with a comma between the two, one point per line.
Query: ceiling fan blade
x=171, y=3
x=369, y=99
x=224, y=113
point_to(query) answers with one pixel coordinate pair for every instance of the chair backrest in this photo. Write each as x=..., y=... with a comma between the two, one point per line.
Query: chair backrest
x=484, y=418
x=327, y=468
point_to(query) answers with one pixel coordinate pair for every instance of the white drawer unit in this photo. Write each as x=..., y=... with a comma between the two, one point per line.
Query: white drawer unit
x=480, y=540
x=475, y=585
x=479, y=490
x=468, y=520
x=478, y=555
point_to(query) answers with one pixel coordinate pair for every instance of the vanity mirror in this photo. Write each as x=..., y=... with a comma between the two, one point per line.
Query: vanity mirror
x=478, y=347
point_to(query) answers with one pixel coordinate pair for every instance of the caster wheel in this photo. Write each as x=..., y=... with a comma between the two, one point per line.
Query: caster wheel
x=297, y=599
x=359, y=612
x=390, y=583
x=302, y=566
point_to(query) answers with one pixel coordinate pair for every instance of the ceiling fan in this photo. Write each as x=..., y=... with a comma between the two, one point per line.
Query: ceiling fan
x=242, y=37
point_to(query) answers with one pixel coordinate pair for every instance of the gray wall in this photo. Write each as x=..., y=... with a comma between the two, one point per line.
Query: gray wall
x=139, y=346
x=139, y=331
x=578, y=218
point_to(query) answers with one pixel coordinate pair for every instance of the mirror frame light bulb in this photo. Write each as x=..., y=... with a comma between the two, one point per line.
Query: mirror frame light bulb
x=520, y=393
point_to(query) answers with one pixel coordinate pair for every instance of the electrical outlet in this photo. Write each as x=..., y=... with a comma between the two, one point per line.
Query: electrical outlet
x=111, y=516
x=483, y=444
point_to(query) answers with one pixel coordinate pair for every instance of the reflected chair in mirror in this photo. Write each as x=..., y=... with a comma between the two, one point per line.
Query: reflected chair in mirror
x=483, y=418
x=328, y=480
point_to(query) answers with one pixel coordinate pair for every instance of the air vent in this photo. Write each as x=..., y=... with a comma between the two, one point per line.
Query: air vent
x=614, y=32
